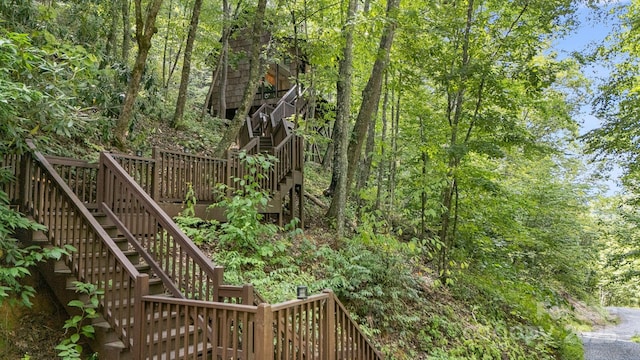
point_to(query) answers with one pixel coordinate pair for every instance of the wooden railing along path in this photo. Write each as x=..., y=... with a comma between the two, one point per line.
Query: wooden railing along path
x=195, y=316
x=199, y=317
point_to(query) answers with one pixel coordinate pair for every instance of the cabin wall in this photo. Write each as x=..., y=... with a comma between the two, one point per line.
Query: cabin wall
x=283, y=76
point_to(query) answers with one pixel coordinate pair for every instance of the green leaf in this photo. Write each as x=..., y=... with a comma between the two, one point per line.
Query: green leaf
x=74, y=338
x=76, y=303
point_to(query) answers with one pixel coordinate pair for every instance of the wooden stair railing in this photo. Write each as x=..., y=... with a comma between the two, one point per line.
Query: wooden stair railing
x=161, y=327
x=149, y=229
x=318, y=328
x=46, y=197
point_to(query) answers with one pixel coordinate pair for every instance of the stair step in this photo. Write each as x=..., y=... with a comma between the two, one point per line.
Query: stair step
x=154, y=283
x=116, y=345
x=131, y=254
x=191, y=350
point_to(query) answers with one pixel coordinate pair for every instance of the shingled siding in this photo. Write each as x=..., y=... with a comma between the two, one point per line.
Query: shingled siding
x=237, y=77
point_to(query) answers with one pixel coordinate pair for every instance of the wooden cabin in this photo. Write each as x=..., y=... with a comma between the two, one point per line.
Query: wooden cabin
x=276, y=81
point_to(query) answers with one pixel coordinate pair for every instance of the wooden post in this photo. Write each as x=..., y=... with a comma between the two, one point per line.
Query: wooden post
x=329, y=336
x=139, y=321
x=301, y=185
x=100, y=188
x=301, y=203
x=157, y=165
x=24, y=179
x=228, y=181
x=218, y=275
x=264, y=333
x=247, y=294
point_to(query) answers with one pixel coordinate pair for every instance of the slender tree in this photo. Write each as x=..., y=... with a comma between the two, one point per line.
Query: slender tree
x=145, y=29
x=341, y=129
x=221, y=63
x=186, y=65
x=224, y=60
x=371, y=93
x=383, y=144
x=126, y=30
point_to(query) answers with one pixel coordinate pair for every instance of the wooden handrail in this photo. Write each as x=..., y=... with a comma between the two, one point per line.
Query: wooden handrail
x=290, y=95
x=133, y=241
x=252, y=147
x=203, y=304
x=59, y=160
x=112, y=271
x=343, y=318
x=298, y=302
x=163, y=234
x=83, y=211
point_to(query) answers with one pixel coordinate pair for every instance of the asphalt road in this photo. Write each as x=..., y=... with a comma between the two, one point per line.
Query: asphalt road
x=614, y=342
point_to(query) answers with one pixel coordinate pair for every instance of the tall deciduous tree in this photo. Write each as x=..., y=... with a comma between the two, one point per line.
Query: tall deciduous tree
x=186, y=65
x=145, y=29
x=371, y=93
x=341, y=128
x=486, y=76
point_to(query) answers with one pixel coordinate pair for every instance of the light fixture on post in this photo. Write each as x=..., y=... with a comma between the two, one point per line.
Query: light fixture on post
x=138, y=153
x=301, y=292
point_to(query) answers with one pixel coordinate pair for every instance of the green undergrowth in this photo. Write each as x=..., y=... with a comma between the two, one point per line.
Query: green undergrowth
x=388, y=289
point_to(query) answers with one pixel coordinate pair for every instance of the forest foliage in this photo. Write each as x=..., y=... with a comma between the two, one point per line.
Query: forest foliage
x=474, y=228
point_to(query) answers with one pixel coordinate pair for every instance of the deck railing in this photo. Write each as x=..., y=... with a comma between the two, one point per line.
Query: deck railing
x=246, y=132
x=315, y=328
x=152, y=231
x=259, y=118
x=222, y=331
x=177, y=169
x=10, y=162
x=231, y=322
x=46, y=197
x=80, y=175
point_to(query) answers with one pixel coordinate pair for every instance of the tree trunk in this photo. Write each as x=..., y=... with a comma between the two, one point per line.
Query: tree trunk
x=395, y=130
x=255, y=71
x=144, y=33
x=224, y=58
x=226, y=33
x=186, y=65
x=383, y=142
x=111, y=48
x=365, y=167
x=165, y=47
x=424, y=157
x=214, y=78
x=371, y=93
x=126, y=31
x=340, y=167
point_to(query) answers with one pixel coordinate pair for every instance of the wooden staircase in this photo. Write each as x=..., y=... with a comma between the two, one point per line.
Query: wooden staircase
x=163, y=298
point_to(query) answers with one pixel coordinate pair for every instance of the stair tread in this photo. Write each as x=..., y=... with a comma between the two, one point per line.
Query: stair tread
x=153, y=281
x=116, y=345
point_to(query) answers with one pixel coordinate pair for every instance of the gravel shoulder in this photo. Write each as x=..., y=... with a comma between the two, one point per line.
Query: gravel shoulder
x=614, y=342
